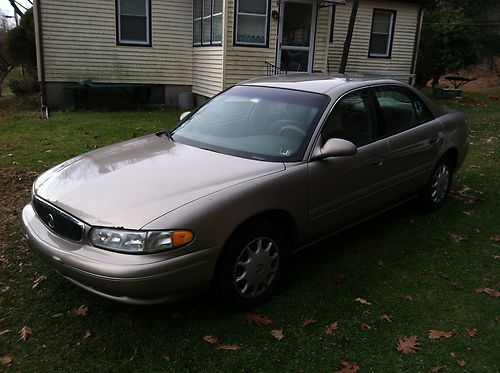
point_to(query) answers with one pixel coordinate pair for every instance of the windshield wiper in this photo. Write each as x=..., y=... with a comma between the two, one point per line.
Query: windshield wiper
x=167, y=134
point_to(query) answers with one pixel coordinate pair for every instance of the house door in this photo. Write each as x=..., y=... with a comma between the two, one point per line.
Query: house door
x=296, y=35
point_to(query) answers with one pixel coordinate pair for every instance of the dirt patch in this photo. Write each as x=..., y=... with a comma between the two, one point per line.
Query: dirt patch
x=485, y=75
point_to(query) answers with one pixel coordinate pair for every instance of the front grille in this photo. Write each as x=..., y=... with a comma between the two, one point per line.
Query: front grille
x=58, y=221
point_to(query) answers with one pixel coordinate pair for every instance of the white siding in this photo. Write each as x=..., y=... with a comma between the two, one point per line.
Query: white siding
x=359, y=62
x=80, y=43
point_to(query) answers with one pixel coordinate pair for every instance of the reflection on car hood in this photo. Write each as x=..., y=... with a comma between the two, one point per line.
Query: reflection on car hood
x=131, y=183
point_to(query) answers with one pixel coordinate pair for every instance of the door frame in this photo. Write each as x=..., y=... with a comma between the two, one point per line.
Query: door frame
x=312, y=41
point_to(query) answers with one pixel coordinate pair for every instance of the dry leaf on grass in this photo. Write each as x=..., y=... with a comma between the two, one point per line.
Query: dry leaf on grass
x=87, y=334
x=385, y=317
x=228, y=347
x=332, y=328
x=436, y=369
x=348, y=367
x=80, y=310
x=468, y=212
x=25, y=333
x=363, y=301
x=408, y=297
x=212, y=339
x=259, y=320
x=366, y=326
x=5, y=331
x=495, y=238
x=278, y=334
x=308, y=322
x=6, y=360
x=472, y=332
x=458, y=237
x=408, y=345
x=38, y=281
x=492, y=292
x=462, y=363
x=437, y=334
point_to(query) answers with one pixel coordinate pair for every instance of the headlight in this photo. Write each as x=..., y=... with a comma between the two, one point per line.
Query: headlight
x=139, y=241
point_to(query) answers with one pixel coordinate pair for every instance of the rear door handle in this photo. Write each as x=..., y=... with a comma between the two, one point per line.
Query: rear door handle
x=378, y=162
x=436, y=140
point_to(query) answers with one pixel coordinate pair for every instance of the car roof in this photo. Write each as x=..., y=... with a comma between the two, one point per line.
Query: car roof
x=331, y=85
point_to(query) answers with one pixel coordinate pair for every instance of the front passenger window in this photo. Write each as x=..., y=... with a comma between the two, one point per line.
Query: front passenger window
x=350, y=120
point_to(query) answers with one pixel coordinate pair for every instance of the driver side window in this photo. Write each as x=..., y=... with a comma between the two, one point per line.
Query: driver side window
x=351, y=120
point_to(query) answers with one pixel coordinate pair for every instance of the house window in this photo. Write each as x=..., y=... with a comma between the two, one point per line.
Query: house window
x=207, y=22
x=252, y=22
x=133, y=22
x=382, y=33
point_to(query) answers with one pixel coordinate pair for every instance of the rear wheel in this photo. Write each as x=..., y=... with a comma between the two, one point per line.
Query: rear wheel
x=251, y=265
x=435, y=193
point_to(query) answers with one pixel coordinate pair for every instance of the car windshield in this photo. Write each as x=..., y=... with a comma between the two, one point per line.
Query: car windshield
x=270, y=124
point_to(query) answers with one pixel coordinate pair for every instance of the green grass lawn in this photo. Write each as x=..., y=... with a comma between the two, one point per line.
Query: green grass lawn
x=405, y=263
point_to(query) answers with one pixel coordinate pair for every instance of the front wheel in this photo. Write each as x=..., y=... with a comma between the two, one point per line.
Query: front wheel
x=251, y=265
x=435, y=193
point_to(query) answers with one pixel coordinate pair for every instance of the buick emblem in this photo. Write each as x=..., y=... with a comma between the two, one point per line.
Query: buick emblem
x=50, y=220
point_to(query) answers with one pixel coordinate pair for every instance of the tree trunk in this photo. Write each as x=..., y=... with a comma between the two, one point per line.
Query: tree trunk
x=435, y=79
x=348, y=38
x=2, y=78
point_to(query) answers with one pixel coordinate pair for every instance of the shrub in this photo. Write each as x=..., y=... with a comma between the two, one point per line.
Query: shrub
x=23, y=86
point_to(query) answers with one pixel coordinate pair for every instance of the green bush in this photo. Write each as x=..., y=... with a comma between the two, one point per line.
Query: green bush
x=23, y=86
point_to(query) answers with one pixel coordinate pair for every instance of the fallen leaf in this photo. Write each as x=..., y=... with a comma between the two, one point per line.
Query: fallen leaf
x=166, y=358
x=458, y=237
x=278, y=334
x=5, y=331
x=462, y=363
x=332, y=328
x=408, y=297
x=212, y=339
x=367, y=312
x=363, y=301
x=6, y=360
x=472, y=332
x=87, y=334
x=79, y=311
x=385, y=317
x=495, y=238
x=437, y=334
x=436, y=369
x=336, y=278
x=380, y=263
x=308, y=322
x=38, y=281
x=453, y=354
x=348, y=367
x=408, y=345
x=25, y=333
x=365, y=326
x=2, y=320
x=468, y=212
x=492, y=292
x=259, y=319
x=228, y=347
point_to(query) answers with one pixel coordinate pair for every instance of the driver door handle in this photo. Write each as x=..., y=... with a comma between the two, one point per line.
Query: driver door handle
x=378, y=162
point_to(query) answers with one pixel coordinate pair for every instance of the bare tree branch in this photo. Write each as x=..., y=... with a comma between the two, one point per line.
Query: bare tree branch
x=16, y=8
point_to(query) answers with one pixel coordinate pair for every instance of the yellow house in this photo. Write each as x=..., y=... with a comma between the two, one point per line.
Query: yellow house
x=204, y=46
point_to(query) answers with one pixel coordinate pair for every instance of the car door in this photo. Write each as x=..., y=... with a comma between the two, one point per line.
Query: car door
x=414, y=139
x=344, y=189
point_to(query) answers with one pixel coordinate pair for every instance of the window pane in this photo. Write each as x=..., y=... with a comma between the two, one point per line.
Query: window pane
x=133, y=28
x=251, y=29
x=382, y=22
x=197, y=8
x=252, y=6
x=133, y=7
x=297, y=24
x=207, y=8
x=350, y=120
x=217, y=6
x=294, y=60
x=197, y=32
x=217, y=28
x=397, y=110
x=206, y=30
x=379, y=44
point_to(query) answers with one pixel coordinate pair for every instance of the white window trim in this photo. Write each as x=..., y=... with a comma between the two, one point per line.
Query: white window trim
x=119, y=14
x=266, y=31
x=390, y=34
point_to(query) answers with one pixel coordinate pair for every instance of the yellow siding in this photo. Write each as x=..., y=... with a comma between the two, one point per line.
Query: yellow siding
x=80, y=43
x=207, y=70
x=322, y=34
x=358, y=62
x=247, y=62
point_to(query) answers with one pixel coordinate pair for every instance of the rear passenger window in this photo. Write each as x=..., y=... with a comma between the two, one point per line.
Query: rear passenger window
x=351, y=120
x=400, y=109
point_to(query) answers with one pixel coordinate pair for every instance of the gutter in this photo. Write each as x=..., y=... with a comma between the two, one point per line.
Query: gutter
x=41, y=60
x=418, y=32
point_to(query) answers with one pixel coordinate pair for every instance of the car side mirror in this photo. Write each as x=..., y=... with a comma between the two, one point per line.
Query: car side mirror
x=335, y=148
x=184, y=115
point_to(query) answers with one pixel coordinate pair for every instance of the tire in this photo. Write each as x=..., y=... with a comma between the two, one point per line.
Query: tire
x=251, y=265
x=437, y=189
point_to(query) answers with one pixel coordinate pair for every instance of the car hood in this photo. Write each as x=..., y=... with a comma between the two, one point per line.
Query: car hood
x=132, y=183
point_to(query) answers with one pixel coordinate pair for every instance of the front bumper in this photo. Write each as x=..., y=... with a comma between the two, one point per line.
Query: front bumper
x=134, y=279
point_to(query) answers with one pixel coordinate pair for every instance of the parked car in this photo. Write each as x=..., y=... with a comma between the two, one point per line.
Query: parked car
x=266, y=168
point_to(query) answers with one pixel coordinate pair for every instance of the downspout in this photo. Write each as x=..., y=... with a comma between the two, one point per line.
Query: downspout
x=414, y=57
x=41, y=60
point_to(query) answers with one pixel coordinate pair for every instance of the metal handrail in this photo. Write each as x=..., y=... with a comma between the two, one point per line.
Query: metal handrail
x=274, y=70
